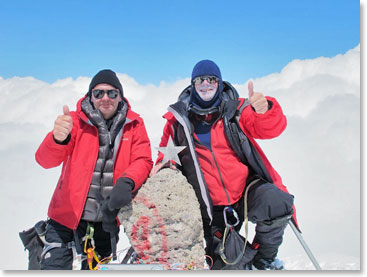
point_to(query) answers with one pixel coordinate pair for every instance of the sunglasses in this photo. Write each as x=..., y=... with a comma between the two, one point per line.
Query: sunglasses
x=111, y=93
x=209, y=79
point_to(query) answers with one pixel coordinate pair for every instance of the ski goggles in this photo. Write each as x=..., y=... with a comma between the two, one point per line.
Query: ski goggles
x=111, y=93
x=210, y=79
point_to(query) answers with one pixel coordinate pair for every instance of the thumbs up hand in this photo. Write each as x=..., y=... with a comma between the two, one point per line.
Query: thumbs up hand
x=257, y=99
x=63, y=125
x=65, y=109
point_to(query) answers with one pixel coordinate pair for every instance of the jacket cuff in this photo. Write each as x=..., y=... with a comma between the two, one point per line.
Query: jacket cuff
x=126, y=180
x=65, y=142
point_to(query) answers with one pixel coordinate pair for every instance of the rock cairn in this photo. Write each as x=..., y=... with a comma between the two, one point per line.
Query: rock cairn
x=163, y=223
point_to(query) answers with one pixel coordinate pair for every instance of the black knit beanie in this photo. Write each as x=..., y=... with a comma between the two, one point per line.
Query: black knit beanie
x=106, y=76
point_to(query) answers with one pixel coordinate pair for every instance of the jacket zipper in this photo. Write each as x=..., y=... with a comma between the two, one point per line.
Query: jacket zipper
x=216, y=163
x=221, y=178
x=220, y=175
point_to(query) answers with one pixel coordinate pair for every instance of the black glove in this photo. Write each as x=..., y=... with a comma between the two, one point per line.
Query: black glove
x=119, y=197
x=121, y=193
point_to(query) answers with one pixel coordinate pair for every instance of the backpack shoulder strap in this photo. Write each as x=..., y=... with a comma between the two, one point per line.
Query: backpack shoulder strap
x=239, y=111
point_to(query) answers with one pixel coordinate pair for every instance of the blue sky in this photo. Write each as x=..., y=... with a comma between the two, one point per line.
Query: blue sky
x=153, y=41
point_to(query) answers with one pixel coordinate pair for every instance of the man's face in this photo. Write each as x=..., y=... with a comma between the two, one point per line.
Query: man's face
x=106, y=105
x=206, y=87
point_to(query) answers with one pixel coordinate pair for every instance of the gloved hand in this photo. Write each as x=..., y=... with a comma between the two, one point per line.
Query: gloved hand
x=119, y=197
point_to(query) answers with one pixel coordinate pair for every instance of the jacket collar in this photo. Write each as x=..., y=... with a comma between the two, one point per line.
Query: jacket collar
x=130, y=114
x=228, y=106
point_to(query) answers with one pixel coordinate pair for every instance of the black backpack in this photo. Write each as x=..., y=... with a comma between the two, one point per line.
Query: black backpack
x=32, y=242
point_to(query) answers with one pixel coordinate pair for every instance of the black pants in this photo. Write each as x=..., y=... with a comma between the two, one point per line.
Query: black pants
x=62, y=257
x=265, y=203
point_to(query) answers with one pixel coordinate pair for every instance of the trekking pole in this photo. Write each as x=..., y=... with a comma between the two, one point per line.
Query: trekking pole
x=113, y=246
x=304, y=245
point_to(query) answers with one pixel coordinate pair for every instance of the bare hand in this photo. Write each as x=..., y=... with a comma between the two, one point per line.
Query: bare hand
x=63, y=125
x=257, y=99
x=159, y=166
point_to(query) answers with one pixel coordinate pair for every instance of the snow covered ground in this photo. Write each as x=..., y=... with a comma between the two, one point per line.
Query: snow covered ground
x=327, y=262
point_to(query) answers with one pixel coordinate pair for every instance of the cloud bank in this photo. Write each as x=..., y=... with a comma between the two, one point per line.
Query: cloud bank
x=318, y=156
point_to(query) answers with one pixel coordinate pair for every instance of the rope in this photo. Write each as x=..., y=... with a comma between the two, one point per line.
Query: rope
x=91, y=253
x=228, y=227
x=246, y=210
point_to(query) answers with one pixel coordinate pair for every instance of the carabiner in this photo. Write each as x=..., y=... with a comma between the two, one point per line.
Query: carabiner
x=230, y=209
x=90, y=230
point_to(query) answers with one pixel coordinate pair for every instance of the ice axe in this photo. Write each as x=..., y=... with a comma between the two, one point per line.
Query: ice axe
x=304, y=245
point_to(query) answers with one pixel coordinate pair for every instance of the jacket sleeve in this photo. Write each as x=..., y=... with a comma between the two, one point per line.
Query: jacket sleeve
x=264, y=126
x=141, y=156
x=51, y=154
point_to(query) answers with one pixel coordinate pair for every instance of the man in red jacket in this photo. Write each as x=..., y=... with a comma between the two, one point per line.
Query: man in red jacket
x=221, y=170
x=106, y=157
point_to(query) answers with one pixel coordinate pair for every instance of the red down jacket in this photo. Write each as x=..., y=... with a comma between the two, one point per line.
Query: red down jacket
x=79, y=156
x=233, y=172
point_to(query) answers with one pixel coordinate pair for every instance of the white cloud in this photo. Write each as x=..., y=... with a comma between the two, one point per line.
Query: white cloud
x=317, y=156
x=303, y=84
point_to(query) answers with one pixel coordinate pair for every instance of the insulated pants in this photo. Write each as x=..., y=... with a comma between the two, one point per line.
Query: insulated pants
x=62, y=257
x=268, y=207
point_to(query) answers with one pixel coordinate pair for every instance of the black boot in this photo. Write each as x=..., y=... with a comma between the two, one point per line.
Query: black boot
x=268, y=264
x=269, y=236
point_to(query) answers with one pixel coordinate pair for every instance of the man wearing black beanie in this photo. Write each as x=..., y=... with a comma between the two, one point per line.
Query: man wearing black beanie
x=232, y=178
x=106, y=76
x=106, y=157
